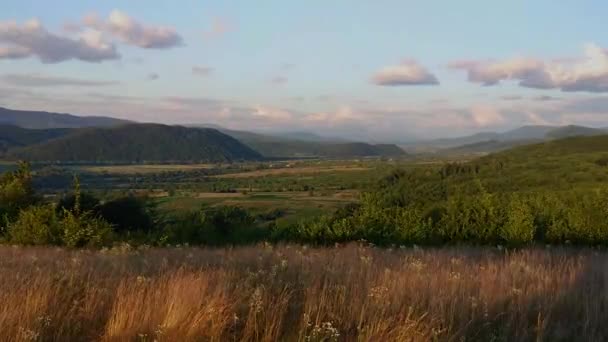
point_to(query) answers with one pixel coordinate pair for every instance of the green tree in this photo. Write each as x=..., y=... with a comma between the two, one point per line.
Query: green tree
x=16, y=193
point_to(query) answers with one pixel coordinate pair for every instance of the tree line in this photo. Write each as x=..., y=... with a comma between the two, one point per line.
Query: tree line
x=421, y=207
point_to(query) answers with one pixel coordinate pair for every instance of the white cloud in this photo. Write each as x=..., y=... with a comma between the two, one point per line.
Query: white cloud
x=132, y=32
x=484, y=116
x=31, y=39
x=587, y=74
x=272, y=114
x=409, y=72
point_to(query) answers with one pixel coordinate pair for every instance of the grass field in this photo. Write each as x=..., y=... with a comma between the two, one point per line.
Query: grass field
x=310, y=170
x=144, y=168
x=291, y=293
x=294, y=206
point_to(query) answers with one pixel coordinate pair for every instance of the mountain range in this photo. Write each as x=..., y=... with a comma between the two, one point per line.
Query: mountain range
x=43, y=136
x=46, y=120
x=486, y=142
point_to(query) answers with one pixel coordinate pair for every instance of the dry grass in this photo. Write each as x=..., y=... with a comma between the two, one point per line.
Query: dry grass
x=146, y=168
x=293, y=171
x=293, y=293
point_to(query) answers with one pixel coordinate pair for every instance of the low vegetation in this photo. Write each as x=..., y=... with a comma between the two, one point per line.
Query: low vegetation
x=502, y=199
x=294, y=293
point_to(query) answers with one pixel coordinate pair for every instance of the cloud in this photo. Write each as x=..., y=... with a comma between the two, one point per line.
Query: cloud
x=15, y=52
x=31, y=39
x=409, y=72
x=586, y=74
x=40, y=80
x=273, y=114
x=201, y=71
x=535, y=119
x=484, y=116
x=344, y=114
x=152, y=76
x=279, y=80
x=596, y=105
x=132, y=32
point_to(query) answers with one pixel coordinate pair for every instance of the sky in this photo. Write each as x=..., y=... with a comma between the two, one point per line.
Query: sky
x=384, y=70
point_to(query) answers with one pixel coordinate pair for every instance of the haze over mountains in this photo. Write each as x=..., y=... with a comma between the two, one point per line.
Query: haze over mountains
x=45, y=136
x=45, y=120
x=485, y=142
x=42, y=136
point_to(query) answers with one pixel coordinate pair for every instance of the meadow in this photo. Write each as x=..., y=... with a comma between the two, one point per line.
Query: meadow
x=298, y=293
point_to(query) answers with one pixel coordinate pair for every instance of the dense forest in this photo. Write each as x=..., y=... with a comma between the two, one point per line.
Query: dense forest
x=139, y=143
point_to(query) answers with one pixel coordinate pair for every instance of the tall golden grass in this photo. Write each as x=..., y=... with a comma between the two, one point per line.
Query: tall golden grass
x=294, y=293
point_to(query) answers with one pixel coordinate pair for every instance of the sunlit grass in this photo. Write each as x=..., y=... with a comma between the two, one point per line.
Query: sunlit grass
x=294, y=293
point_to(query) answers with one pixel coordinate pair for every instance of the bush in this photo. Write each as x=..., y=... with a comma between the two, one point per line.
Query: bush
x=16, y=193
x=129, y=214
x=519, y=227
x=36, y=226
x=84, y=230
x=475, y=219
x=88, y=202
x=215, y=226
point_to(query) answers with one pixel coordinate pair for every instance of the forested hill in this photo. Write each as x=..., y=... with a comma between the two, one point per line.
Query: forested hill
x=139, y=143
x=300, y=144
x=13, y=136
x=45, y=120
x=557, y=148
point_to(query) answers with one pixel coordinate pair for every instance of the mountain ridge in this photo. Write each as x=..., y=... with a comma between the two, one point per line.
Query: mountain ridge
x=138, y=143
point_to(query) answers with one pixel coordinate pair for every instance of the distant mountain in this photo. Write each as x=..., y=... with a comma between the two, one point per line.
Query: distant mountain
x=46, y=120
x=286, y=146
x=138, y=143
x=491, y=141
x=554, y=148
x=466, y=140
x=527, y=132
x=484, y=147
x=305, y=136
x=573, y=131
x=13, y=136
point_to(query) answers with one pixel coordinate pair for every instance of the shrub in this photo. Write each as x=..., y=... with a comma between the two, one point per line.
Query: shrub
x=84, y=230
x=474, y=219
x=36, y=226
x=215, y=226
x=411, y=227
x=603, y=161
x=129, y=214
x=16, y=193
x=87, y=201
x=519, y=227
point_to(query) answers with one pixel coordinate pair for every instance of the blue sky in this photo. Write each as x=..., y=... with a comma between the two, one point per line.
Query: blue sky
x=368, y=69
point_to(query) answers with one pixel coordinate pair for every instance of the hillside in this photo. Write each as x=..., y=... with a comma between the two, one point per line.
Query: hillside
x=487, y=142
x=13, y=136
x=560, y=148
x=46, y=120
x=573, y=131
x=294, y=149
x=489, y=146
x=139, y=143
x=276, y=146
